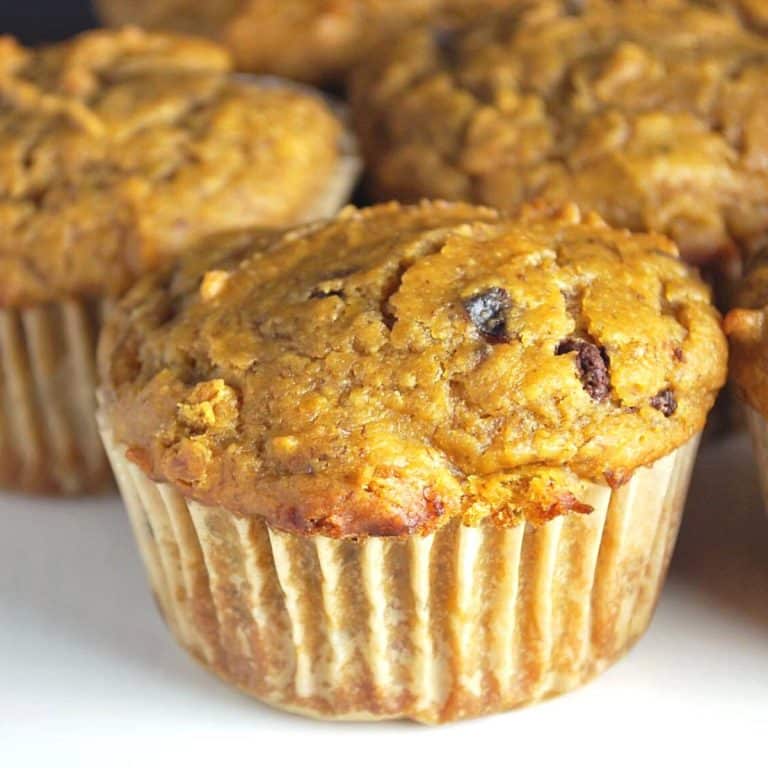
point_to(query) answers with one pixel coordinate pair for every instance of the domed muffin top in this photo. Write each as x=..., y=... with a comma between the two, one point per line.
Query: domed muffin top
x=118, y=149
x=397, y=366
x=651, y=114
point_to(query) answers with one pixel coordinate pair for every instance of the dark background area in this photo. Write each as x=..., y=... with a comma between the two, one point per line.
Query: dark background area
x=37, y=21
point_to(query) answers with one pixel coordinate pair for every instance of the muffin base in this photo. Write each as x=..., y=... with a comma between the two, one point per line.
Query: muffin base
x=462, y=622
x=758, y=430
x=49, y=441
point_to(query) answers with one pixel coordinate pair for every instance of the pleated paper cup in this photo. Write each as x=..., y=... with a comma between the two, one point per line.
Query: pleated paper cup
x=758, y=430
x=459, y=623
x=49, y=441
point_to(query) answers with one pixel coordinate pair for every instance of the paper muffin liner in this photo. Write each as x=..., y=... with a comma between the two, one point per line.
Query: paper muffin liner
x=758, y=430
x=49, y=441
x=337, y=191
x=462, y=622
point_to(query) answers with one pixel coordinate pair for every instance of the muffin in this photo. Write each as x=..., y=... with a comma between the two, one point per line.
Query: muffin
x=317, y=41
x=747, y=332
x=414, y=462
x=754, y=13
x=118, y=150
x=652, y=114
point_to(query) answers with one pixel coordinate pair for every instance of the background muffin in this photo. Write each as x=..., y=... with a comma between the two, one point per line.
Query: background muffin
x=426, y=462
x=117, y=150
x=748, y=335
x=311, y=40
x=652, y=115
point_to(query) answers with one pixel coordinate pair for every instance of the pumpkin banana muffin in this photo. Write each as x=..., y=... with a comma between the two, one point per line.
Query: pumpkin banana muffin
x=118, y=150
x=747, y=331
x=423, y=462
x=317, y=41
x=652, y=114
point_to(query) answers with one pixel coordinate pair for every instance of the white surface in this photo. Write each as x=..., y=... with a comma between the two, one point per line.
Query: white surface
x=90, y=676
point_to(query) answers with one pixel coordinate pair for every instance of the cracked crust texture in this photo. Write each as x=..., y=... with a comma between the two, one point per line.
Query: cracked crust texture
x=118, y=149
x=316, y=41
x=654, y=115
x=747, y=328
x=341, y=379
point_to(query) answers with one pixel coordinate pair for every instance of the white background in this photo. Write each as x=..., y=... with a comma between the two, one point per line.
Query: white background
x=89, y=676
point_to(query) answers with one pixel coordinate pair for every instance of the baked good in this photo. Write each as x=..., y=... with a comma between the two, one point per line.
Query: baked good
x=753, y=13
x=652, y=114
x=423, y=462
x=317, y=41
x=747, y=330
x=118, y=150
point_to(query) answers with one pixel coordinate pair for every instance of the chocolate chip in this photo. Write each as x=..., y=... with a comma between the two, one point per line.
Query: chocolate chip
x=678, y=355
x=488, y=312
x=592, y=364
x=574, y=7
x=446, y=43
x=665, y=402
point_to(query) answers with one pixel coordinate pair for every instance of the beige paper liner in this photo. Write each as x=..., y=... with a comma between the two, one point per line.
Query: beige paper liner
x=758, y=430
x=49, y=442
x=459, y=623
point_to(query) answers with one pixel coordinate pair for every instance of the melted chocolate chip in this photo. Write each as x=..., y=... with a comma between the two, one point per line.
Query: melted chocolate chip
x=574, y=7
x=445, y=42
x=665, y=402
x=488, y=312
x=592, y=364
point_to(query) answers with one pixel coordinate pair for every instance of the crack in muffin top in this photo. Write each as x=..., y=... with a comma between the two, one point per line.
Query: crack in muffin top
x=119, y=149
x=392, y=368
x=653, y=115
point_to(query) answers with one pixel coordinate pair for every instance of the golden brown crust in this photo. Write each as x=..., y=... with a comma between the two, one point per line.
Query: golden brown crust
x=317, y=41
x=118, y=149
x=397, y=367
x=653, y=114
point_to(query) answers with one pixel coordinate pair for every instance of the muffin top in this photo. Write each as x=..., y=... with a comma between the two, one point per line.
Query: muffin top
x=312, y=40
x=395, y=367
x=653, y=114
x=118, y=149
